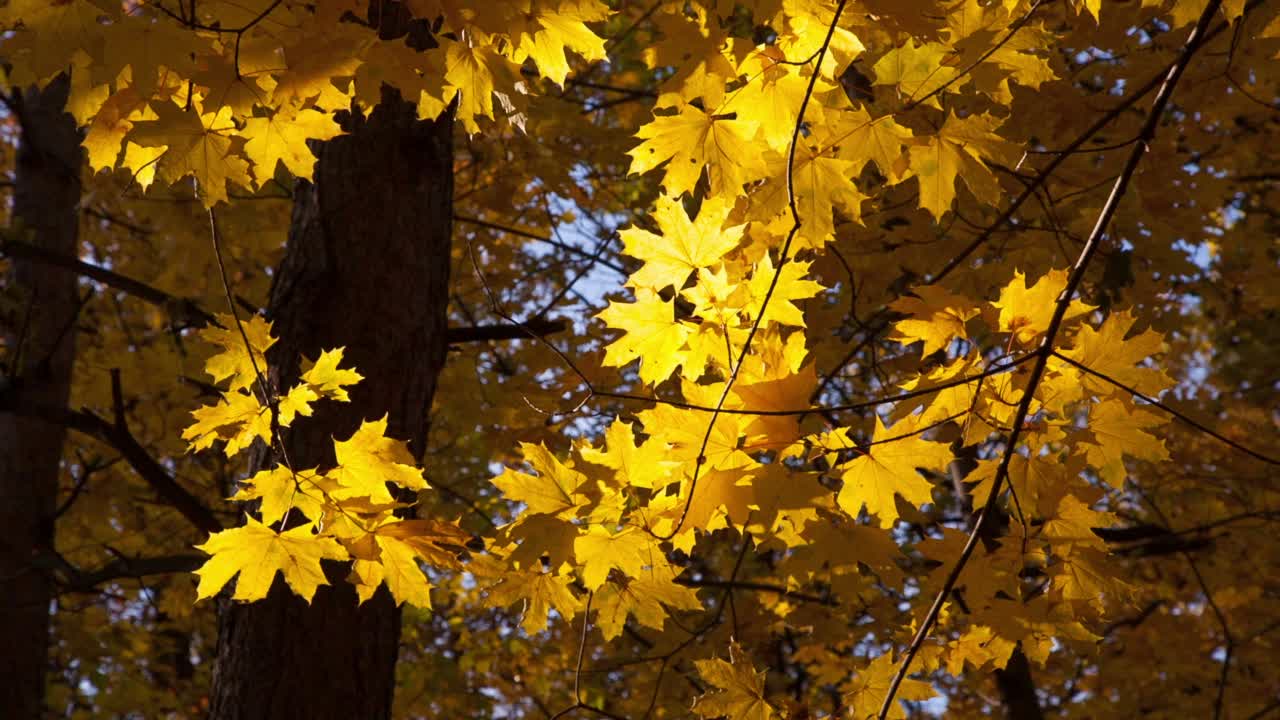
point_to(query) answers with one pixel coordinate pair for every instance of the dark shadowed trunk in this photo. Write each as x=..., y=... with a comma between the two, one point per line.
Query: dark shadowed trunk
x=367, y=268
x=39, y=352
x=1018, y=689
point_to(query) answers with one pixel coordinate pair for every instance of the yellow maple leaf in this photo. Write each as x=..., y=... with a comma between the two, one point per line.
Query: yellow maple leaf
x=791, y=286
x=740, y=692
x=557, y=27
x=1072, y=524
x=1119, y=429
x=1085, y=575
x=684, y=246
x=916, y=70
x=822, y=183
x=937, y=317
x=1026, y=311
x=645, y=465
x=257, y=553
x=239, y=419
x=196, y=144
x=694, y=139
x=772, y=95
x=890, y=468
x=867, y=691
x=959, y=150
x=648, y=597
x=651, y=333
x=234, y=362
x=296, y=402
x=863, y=139
x=283, y=138
x=554, y=490
x=368, y=460
x=328, y=380
x=598, y=551
x=1108, y=351
x=475, y=73
x=541, y=592
x=281, y=489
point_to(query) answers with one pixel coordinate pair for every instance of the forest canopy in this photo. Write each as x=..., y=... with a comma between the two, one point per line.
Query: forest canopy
x=585, y=358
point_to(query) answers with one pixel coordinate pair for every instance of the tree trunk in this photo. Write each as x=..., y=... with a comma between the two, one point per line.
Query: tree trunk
x=39, y=352
x=1018, y=689
x=367, y=268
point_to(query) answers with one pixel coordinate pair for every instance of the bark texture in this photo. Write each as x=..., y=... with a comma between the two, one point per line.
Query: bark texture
x=367, y=268
x=39, y=352
x=40, y=347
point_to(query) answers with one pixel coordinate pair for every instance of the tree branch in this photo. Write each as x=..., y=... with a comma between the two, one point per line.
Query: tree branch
x=1045, y=351
x=119, y=437
x=189, y=313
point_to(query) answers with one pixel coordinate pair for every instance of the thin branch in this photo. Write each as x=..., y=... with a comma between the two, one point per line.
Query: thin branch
x=540, y=238
x=783, y=259
x=120, y=438
x=1176, y=415
x=1193, y=43
x=880, y=320
x=181, y=309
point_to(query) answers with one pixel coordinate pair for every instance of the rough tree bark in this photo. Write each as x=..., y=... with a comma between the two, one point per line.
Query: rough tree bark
x=367, y=268
x=39, y=352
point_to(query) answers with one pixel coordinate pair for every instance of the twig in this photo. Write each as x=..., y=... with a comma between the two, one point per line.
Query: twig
x=1045, y=351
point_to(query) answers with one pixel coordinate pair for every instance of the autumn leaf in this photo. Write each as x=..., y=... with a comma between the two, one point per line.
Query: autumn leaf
x=540, y=592
x=889, y=469
x=368, y=460
x=198, y=145
x=739, y=690
x=235, y=361
x=1025, y=311
x=684, y=246
x=554, y=490
x=651, y=333
x=937, y=316
x=643, y=465
x=282, y=138
x=694, y=139
x=257, y=553
x=867, y=691
x=648, y=597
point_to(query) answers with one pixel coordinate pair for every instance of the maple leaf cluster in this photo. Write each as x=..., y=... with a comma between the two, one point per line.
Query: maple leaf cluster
x=881, y=409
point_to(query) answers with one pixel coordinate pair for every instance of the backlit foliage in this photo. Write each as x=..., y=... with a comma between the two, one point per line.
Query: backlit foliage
x=907, y=343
